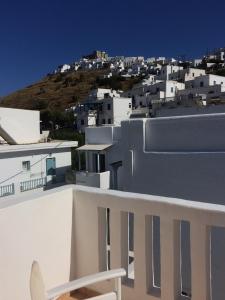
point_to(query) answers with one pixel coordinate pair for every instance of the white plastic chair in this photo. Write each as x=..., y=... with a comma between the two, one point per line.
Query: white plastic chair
x=38, y=292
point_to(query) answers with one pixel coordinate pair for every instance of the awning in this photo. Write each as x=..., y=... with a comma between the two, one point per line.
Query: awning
x=94, y=147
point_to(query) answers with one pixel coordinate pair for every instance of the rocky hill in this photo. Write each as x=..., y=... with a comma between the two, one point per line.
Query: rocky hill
x=60, y=91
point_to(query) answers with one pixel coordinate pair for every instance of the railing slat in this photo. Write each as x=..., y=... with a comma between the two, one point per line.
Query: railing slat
x=200, y=261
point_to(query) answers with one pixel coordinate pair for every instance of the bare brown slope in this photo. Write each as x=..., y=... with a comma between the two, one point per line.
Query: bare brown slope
x=60, y=91
x=54, y=92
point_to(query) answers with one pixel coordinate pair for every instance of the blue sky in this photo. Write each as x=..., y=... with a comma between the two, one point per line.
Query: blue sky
x=38, y=35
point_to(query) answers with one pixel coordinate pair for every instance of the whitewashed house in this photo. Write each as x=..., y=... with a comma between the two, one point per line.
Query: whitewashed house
x=204, y=87
x=186, y=74
x=102, y=107
x=27, y=160
x=167, y=71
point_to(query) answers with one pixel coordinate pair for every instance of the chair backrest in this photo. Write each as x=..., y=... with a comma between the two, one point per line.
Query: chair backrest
x=37, y=288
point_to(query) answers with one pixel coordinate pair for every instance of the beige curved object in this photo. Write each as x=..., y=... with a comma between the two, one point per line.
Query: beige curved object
x=37, y=288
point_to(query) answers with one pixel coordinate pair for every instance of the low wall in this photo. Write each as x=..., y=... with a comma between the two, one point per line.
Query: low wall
x=35, y=228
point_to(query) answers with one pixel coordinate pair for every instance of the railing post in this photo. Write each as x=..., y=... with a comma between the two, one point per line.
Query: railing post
x=170, y=259
x=200, y=261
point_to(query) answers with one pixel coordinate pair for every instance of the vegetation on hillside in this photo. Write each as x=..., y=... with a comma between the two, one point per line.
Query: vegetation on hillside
x=68, y=134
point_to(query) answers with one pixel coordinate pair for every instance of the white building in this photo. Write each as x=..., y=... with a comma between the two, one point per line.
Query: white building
x=103, y=106
x=204, y=87
x=206, y=81
x=186, y=74
x=27, y=161
x=167, y=70
x=173, y=156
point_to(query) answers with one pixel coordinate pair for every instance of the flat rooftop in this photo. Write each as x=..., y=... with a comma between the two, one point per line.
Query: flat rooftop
x=4, y=148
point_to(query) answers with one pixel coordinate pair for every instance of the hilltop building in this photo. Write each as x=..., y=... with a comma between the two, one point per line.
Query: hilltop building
x=97, y=55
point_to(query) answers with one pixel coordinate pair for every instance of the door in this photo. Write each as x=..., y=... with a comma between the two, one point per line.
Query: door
x=50, y=166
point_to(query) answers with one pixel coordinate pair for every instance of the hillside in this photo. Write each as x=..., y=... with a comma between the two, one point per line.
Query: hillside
x=60, y=91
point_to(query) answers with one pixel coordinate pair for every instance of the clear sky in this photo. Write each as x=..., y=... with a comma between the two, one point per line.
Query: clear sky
x=38, y=35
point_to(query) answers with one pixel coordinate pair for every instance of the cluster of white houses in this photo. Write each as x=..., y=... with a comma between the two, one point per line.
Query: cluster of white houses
x=174, y=87
x=138, y=65
x=169, y=83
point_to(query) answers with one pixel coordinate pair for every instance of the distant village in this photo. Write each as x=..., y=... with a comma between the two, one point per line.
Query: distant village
x=169, y=86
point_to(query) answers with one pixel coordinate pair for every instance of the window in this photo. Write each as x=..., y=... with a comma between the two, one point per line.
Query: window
x=82, y=122
x=26, y=165
x=129, y=105
x=171, y=89
x=193, y=74
x=108, y=106
x=214, y=82
x=201, y=84
x=140, y=103
x=109, y=121
x=103, y=121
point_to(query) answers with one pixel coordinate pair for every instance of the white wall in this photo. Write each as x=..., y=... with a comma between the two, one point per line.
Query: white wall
x=19, y=126
x=122, y=108
x=39, y=229
x=177, y=157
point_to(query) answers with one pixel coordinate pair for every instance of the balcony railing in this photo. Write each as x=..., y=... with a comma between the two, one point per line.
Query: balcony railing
x=32, y=184
x=74, y=231
x=7, y=190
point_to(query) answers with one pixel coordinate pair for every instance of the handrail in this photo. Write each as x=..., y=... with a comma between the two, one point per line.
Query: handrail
x=84, y=281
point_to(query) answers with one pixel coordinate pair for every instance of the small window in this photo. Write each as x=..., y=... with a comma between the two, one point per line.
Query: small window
x=193, y=74
x=82, y=122
x=109, y=121
x=201, y=84
x=103, y=121
x=171, y=89
x=108, y=106
x=214, y=82
x=26, y=165
x=129, y=105
x=140, y=103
